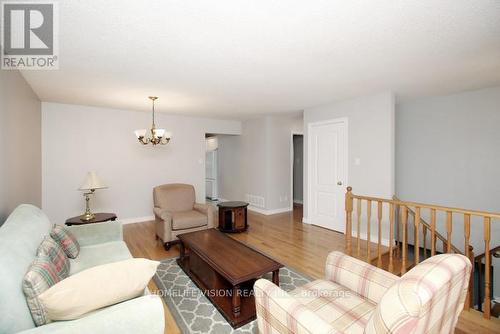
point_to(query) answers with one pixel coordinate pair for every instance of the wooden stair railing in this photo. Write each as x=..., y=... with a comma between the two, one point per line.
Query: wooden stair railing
x=396, y=214
x=447, y=247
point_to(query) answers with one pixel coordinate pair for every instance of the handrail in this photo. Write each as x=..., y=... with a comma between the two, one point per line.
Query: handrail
x=430, y=206
x=438, y=235
x=493, y=252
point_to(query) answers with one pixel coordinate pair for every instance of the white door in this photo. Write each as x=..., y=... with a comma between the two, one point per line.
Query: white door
x=327, y=173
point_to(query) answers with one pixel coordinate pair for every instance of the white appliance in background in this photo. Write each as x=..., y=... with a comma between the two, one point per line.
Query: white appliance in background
x=211, y=175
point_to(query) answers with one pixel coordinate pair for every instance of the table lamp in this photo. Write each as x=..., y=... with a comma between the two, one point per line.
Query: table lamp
x=90, y=184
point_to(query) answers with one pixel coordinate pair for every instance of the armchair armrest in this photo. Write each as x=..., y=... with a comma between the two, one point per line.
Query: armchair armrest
x=358, y=276
x=279, y=312
x=162, y=214
x=140, y=315
x=97, y=233
x=207, y=210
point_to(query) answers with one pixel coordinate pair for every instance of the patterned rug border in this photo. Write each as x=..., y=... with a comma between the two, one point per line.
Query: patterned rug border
x=168, y=301
x=184, y=328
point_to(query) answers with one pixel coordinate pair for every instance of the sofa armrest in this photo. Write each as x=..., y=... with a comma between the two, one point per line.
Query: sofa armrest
x=207, y=210
x=279, y=312
x=358, y=276
x=140, y=315
x=92, y=234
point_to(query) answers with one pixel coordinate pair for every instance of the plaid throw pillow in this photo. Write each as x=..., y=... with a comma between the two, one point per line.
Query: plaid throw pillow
x=51, y=250
x=66, y=240
x=41, y=275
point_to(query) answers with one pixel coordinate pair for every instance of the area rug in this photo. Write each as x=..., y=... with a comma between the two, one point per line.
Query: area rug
x=193, y=312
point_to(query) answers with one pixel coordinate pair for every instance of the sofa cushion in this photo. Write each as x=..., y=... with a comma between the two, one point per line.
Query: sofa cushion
x=188, y=219
x=51, y=250
x=67, y=241
x=95, y=255
x=97, y=287
x=20, y=236
x=345, y=310
x=41, y=275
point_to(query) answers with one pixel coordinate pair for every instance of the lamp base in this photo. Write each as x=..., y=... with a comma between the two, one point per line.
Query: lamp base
x=87, y=216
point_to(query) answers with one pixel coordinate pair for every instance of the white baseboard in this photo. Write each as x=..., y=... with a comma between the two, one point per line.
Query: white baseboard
x=373, y=238
x=136, y=220
x=304, y=220
x=268, y=212
x=298, y=201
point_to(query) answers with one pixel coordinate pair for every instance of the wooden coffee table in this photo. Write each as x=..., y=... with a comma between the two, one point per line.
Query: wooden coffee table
x=225, y=270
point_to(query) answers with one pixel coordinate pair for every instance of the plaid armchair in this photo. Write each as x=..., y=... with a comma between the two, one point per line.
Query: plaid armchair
x=356, y=297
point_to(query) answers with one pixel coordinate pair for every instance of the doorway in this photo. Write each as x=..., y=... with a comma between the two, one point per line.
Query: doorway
x=297, y=180
x=327, y=173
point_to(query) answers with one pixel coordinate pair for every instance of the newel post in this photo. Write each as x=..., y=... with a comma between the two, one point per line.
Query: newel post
x=348, y=220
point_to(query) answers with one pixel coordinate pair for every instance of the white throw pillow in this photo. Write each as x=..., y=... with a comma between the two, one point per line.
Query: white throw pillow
x=97, y=287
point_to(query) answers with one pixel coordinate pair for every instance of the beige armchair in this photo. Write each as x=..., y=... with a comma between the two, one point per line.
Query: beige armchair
x=176, y=212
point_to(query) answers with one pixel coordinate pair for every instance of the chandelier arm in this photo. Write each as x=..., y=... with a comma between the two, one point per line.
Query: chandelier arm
x=153, y=113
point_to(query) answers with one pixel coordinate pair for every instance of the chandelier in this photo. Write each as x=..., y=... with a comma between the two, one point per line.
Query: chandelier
x=154, y=136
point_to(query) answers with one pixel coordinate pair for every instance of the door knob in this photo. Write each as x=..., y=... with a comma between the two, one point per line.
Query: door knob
x=339, y=183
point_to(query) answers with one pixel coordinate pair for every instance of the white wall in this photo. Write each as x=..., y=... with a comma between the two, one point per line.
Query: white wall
x=448, y=153
x=77, y=139
x=20, y=148
x=370, y=139
x=258, y=161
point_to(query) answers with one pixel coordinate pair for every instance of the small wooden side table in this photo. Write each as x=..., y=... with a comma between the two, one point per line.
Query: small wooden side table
x=99, y=218
x=233, y=217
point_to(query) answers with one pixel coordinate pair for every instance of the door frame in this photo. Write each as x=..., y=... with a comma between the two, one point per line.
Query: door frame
x=344, y=120
x=292, y=157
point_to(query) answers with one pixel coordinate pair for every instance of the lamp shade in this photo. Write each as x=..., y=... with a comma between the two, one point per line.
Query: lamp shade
x=92, y=181
x=140, y=133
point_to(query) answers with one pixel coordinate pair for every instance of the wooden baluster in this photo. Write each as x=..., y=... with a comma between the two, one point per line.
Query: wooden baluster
x=480, y=286
x=404, y=221
x=391, y=236
x=448, y=231
x=467, y=252
x=424, y=232
x=433, y=232
x=358, y=230
x=368, y=232
x=471, y=282
x=398, y=231
x=416, y=236
x=348, y=209
x=379, y=218
x=487, y=264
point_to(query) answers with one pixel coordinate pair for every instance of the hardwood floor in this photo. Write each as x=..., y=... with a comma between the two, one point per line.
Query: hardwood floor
x=300, y=246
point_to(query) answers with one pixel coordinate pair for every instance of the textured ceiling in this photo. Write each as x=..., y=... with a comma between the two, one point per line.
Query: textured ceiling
x=236, y=59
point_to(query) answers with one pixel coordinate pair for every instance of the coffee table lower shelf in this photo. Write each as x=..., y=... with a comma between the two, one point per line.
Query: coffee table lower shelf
x=219, y=291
